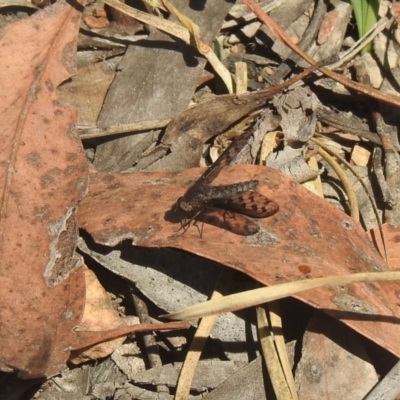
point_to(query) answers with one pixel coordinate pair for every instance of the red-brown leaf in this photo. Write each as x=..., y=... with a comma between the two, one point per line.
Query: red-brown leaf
x=306, y=238
x=43, y=173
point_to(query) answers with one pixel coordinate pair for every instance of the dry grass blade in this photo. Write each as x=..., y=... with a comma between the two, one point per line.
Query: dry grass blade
x=159, y=23
x=354, y=210
x=271, y=355
x=259, y=296
x=201, y=46
x=186, y=33
x=277, y=329
x=198, y=342
x=91, y=133
x=350, y=192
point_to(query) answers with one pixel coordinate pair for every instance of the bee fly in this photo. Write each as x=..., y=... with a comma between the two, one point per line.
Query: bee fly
x=232, y=203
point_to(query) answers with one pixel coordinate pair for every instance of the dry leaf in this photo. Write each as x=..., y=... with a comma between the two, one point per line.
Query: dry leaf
x=43, y=175
x=99, y=315
x=307, y=237
x=334, y=364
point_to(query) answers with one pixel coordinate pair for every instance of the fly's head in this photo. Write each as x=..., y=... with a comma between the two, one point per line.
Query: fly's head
x=184, y=205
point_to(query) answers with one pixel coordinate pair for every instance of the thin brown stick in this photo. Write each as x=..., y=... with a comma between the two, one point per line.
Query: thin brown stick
x=277, y=31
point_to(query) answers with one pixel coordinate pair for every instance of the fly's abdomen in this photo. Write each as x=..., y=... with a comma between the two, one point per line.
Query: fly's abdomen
x=227, y=191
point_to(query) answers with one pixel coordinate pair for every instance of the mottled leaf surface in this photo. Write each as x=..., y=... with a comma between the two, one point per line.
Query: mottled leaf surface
x=43, y=175
x=306, y=238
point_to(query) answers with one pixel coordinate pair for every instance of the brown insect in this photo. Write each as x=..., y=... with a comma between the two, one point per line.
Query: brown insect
x=228, y=206
x=234, y=203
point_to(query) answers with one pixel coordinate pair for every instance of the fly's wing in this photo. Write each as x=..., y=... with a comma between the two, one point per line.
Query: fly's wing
x=231, y=221
x=227, y=156
x=250, y=203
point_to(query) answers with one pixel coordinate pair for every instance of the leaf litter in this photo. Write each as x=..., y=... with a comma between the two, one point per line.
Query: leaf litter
x=46, y=185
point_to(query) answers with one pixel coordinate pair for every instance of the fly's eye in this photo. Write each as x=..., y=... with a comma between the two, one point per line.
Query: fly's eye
x=184, y=205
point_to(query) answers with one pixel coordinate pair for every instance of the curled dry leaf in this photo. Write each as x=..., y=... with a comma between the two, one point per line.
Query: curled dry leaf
x=101, y=330
x=306, y=238
x=99, y=315
x=215, y=116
